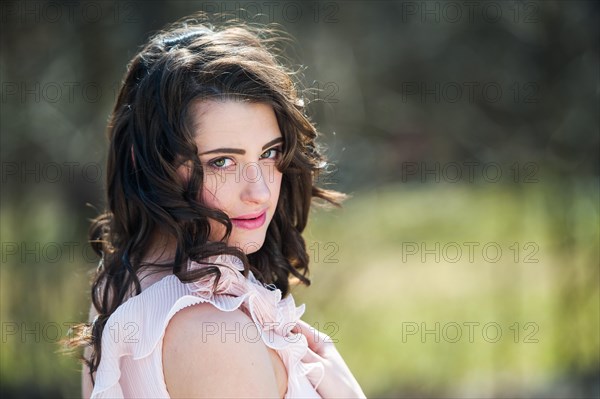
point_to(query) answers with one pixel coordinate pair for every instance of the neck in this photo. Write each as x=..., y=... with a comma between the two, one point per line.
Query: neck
x=160, y=251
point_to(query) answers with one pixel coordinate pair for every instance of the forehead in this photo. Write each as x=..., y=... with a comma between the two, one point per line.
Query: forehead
x=233, y=123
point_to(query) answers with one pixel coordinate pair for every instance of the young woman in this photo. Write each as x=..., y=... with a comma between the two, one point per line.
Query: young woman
x=211, y=175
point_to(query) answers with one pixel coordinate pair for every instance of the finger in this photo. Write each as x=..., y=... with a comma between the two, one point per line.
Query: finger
x=313, y=336
x=304, y=328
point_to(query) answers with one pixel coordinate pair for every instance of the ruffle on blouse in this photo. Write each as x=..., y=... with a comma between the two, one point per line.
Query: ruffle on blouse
x=273, y=316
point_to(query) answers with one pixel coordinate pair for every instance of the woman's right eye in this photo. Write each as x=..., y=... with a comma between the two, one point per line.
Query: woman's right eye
x=220, y=163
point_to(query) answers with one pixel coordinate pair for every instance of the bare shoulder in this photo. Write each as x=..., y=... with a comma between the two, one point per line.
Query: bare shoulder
x=204, y=347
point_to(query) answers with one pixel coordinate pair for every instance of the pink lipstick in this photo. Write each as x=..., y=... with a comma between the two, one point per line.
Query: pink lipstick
x=251, y=221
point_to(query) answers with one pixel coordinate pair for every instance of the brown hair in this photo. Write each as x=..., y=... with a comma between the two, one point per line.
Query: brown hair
x=150, y=136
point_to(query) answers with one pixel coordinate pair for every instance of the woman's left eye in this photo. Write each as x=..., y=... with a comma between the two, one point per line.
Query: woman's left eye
x=271, y=154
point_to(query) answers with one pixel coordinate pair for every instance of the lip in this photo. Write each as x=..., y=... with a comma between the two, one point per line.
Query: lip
x=250, y=221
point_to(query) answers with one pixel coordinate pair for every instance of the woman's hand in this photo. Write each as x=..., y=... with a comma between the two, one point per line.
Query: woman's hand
x=338, y=381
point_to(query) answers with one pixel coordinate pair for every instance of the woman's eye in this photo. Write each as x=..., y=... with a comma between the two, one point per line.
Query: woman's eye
x=221, y=163
x=271, y=154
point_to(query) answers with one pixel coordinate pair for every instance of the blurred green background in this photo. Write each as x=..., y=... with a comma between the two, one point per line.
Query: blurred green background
x=466, y=263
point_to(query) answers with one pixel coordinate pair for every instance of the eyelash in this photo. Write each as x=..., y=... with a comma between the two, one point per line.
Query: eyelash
x=212, y=164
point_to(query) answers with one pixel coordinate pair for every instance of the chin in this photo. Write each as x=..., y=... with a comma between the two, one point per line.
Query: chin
x=248, y=245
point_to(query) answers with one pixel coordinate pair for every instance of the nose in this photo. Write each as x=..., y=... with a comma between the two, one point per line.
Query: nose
x=256, y=186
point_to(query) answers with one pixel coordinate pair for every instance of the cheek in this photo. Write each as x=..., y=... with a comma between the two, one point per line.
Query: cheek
x=275, y=187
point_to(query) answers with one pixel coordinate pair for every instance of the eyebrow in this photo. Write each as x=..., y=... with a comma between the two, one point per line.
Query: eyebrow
x=240, y=151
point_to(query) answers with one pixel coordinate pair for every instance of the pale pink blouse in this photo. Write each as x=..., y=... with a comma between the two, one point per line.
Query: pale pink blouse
x=131, y=361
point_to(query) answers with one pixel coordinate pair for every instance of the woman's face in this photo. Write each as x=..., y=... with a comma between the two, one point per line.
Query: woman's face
x=239, y=144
